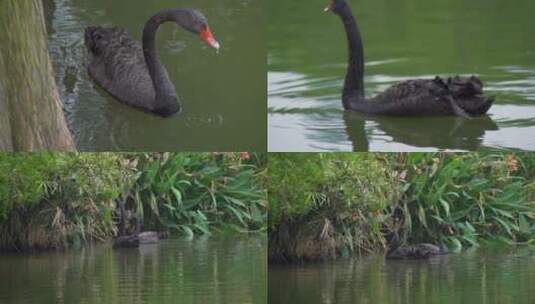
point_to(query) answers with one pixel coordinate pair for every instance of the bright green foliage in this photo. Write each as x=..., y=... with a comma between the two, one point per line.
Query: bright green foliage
x=301, y=182
x=349, y=189
x=195, y=192
x=294, y=180
x=56, y=200
x=463, y=198
x=459, y=199
x=51, y=199
x=22, y=179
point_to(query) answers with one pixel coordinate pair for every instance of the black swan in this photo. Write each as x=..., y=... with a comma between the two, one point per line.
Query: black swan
x=132, y=73
x=418, y=251
x=134, y=240
x=462, y=96
x=123, y=240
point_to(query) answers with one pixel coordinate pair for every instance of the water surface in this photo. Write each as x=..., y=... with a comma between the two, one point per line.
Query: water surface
x=223, y=96
x=221, y=270
x=479, y=276
x=402, y=40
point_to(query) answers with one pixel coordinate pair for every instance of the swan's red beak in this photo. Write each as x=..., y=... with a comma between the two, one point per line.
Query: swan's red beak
x=207, y=36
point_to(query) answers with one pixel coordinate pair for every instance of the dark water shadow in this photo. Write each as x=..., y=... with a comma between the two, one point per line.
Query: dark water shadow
x=452, y=133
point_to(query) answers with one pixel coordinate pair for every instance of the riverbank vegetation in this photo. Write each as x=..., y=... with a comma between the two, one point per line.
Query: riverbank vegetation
x=327, y=205
x=63, y=200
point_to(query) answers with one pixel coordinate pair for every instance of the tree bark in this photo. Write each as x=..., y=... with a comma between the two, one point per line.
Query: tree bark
x=31, y=115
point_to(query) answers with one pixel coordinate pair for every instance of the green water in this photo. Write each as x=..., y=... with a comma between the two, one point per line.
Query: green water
x=224, y=96
x=174, y=271
x=481, y=276
x=402, y=40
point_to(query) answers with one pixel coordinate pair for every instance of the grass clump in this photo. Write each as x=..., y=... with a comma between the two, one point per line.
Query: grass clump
x=325, y=203
x=63, y=200
x=462, y=199
x=53, y=200
x=199, y=192
x=360, y=199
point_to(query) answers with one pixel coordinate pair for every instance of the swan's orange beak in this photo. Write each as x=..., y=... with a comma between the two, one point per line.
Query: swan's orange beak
x=207, y=36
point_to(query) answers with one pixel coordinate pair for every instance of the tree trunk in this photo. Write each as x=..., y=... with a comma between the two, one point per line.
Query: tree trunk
x=31, y=115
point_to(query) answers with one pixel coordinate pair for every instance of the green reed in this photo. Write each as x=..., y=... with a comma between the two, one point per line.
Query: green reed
x=52, y=200
x=465, y=198
x=196, y=193
x=60, y=200
x=458, y=199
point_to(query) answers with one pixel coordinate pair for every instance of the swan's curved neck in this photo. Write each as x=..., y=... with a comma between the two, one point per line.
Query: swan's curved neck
x=354, y=82
x=166, y=97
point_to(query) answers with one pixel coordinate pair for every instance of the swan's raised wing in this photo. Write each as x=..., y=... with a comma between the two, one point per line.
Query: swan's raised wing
x=413, y=89
x=462, y=96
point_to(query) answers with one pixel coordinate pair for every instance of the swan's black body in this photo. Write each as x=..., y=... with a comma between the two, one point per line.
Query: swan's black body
x=124, y=240
x=132, y=72
x=462, y=96
x=418, y=251
x=134, y=240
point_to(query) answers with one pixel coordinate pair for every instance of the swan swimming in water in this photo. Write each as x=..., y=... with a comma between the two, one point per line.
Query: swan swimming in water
x=125, y=240
x=461, y=96
x=417, y=251
x=132, y=72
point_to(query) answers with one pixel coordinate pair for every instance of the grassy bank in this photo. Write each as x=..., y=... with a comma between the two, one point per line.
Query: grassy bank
x=52, y=200
x=62, y=200
x=328, y=205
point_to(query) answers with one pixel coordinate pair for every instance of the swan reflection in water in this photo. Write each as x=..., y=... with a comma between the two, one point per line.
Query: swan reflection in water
x=453, y=133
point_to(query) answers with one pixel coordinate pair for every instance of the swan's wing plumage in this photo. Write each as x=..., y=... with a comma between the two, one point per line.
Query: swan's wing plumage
x=467, y=92
x=412, y=89
x=117, y=64
x=412, y=98
x=461, y=96
x=418, y=103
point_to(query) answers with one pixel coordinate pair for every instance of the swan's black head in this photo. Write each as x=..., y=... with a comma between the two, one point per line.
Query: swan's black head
x=336, y=6
x=195, y=22
x=392, y=239
x=443, y=249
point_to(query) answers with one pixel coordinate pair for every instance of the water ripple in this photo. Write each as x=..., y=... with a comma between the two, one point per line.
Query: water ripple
x=305, y=114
